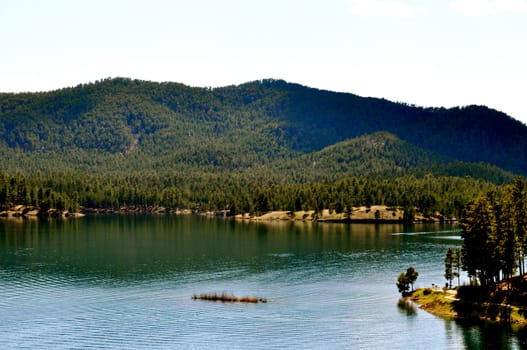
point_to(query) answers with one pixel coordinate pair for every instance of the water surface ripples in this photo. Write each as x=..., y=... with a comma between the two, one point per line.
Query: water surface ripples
x=127, y=282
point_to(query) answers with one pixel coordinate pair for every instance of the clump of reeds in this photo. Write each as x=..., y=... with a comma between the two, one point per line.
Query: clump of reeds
x=228, y=298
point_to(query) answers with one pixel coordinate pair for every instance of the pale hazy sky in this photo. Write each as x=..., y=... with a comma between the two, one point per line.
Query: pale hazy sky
x=424, y=52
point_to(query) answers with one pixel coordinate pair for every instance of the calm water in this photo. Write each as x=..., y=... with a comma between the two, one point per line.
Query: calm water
x=127, y=282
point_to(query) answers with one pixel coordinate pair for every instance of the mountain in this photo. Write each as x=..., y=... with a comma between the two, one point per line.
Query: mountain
x=131, y=124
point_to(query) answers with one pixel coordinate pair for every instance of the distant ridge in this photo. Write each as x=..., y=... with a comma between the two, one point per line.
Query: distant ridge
x=138, y=125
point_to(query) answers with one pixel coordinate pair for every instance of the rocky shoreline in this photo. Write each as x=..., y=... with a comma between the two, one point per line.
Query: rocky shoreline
x=29, y=212
x=21, y=211
x=371, y=214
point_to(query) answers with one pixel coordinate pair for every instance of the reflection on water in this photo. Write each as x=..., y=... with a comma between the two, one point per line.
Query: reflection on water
x=407, y=307
x=127, y=282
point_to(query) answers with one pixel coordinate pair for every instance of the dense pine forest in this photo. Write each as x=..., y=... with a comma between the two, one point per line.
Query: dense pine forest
x=495, y=235
x=260, y=146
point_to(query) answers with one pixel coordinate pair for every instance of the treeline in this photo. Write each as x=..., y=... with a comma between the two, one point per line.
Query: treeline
x=494, y=232
x=429, y=195
x=31, y=192
x=238, y=193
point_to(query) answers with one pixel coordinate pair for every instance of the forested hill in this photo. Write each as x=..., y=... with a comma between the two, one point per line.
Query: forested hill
x=131, y=123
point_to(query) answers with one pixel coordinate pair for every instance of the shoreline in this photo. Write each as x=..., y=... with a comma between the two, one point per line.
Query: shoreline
x=364, y=214
x=29, y=212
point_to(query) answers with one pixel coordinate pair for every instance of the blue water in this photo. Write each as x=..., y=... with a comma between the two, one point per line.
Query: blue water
x=127, y=282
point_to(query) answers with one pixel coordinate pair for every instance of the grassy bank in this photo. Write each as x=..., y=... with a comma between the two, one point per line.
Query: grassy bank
x=436, y=301
x=445, y=304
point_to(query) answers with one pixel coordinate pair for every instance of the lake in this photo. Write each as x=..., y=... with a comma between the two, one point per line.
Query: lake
x=126, y=282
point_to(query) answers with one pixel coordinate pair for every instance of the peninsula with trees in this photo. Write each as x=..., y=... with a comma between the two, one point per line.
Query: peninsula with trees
x=494, y=233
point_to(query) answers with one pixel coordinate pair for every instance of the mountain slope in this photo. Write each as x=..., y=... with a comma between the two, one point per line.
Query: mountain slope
x=139, y=125
x=382, y=155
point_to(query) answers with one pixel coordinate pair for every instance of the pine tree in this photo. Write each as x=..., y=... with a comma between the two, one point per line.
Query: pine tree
x=402, y=283
x=449, y=263
x=411, y=275
x=456, y=265
x=479, y=239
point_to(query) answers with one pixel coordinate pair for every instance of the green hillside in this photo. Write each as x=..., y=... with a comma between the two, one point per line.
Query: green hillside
x=383, y=155
x=127, y=142
x=240, y=126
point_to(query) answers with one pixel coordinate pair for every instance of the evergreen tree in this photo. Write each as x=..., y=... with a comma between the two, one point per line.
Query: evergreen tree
x=456, y=265
x=449, y=263
x=411, y=275
x=406, y=279
x=402, y=283
x=519, y=220
x=493, y=232
x=479, y=239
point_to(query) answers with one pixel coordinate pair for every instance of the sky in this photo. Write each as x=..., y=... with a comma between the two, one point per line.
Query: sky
x=439, y=53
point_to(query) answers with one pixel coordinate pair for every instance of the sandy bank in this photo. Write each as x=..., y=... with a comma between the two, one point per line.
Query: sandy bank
x=379, y=213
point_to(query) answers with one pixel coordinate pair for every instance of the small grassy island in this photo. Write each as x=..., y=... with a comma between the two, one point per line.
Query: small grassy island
x=228, y=298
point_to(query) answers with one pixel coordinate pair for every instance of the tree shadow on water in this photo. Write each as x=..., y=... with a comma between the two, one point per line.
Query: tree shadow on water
x=485, y=320
x=406, y=307
x=488, y=335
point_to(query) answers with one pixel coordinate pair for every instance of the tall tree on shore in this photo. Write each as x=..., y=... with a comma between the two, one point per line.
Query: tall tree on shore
x=453, y=265
x=519, y=202
x=449, y=266
x=456, y=265
x=479, y=239
x=510, y=242
x=402, y=283
x=412, y=275
x=407, y=279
